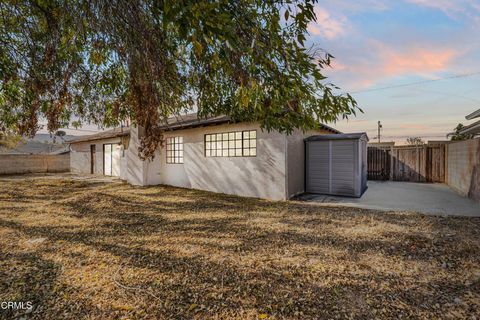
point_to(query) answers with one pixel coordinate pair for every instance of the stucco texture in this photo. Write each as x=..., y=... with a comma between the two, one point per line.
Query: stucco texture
x=80, y=160
x=262, y=176
x=276, y=172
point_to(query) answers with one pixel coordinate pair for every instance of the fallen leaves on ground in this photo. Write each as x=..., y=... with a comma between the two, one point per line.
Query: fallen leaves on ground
x=106, y=250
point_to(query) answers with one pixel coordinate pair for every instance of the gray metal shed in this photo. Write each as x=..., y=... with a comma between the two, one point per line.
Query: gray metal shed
x=336, y=164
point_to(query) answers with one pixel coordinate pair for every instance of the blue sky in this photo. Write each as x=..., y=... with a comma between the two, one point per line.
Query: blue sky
x=383, y=43
x=380, y=44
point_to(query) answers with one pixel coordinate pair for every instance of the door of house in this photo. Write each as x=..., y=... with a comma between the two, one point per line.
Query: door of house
x=111, y=159
x=92, y=159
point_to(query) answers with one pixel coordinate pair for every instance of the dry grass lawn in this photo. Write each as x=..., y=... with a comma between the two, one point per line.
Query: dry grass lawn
x=98, y=250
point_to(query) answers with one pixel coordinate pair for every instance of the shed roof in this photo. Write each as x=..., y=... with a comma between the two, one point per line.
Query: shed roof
x=340, y=136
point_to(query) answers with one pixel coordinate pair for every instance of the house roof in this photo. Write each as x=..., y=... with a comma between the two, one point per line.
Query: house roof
x=113, y=133
x=341, y=136
x=473, y=115
x=174, y=123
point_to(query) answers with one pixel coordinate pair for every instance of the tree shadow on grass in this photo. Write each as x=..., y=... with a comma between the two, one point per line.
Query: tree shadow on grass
x=196, y=254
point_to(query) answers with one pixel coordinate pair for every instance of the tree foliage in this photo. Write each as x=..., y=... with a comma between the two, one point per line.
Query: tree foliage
x=106, y=61
x=457, y=136
x=9, y=140
x=415, y=141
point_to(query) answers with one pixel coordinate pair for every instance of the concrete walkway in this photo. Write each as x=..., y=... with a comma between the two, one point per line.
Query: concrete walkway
x=406, y=196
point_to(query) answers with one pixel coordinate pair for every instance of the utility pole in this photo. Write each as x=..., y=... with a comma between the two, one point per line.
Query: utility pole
x=379, y=127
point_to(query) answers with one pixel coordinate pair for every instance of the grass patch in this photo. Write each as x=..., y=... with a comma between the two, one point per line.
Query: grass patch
x=107, y=250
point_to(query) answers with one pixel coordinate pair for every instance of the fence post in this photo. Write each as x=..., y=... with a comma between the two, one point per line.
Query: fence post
x=391, y=163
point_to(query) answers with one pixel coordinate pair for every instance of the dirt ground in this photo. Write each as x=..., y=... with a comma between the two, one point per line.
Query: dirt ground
x=80, y=249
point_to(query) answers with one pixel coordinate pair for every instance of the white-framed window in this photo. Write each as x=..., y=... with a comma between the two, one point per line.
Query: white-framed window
x=231, y=144
x=175, y=150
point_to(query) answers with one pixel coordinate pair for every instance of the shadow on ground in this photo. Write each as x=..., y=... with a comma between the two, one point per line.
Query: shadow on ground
x=107, y=250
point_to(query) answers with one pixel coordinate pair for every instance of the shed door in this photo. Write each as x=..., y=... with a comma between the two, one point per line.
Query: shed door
x=318, y=167
x=344, y=163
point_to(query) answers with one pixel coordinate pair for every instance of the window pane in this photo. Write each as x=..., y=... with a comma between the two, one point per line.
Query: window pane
x=253, y=152
x=238, y=135
x=225, y=136
x=231, y=152
x=238, y=143
x=231, y=135
x=225, y=153
x=231, y=144
x=246, y=152
x=246, y=135
x=238, y=152
x=207, y=145
x=207, y=153
x=207, y=137
x=253, y=134
x=246, y=143
x=253, y=143
x=219, y=136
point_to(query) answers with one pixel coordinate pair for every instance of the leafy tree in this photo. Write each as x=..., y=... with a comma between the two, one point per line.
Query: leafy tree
x=457, y=136
x=103, y=62
x=415, y=141
x=9, y=140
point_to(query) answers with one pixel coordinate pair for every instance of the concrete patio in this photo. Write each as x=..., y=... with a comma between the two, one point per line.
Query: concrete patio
x=425, y=198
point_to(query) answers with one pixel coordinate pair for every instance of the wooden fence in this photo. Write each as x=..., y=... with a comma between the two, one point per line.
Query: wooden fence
x=424, y=163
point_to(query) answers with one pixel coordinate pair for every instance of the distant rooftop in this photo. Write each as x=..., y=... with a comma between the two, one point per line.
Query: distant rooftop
x=473, y=115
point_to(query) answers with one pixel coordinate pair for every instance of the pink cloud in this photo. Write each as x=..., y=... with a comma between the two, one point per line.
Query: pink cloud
x=385, y=62
x=326, y=26
x=416, y=60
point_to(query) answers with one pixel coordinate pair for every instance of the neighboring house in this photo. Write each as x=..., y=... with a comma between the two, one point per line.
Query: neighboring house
x=211, y=154
x=473, y=128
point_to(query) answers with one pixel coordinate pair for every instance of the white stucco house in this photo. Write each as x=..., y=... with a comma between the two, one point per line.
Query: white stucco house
x=212, y=154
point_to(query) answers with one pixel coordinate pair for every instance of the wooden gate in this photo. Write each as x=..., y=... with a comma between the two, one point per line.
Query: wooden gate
x=409, y=164
x=378, y=160
x=425, y=163
x=436, y=163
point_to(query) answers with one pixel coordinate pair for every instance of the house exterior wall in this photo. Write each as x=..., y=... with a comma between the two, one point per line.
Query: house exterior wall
x=261, y=176
x=296, y=161
x=277, y=172
x=464, y=167
x=80, y=156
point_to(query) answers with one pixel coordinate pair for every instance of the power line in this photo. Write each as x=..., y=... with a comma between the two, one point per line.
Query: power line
x=465, y=75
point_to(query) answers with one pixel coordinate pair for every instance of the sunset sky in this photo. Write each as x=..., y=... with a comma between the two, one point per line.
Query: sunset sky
x=379, y=44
